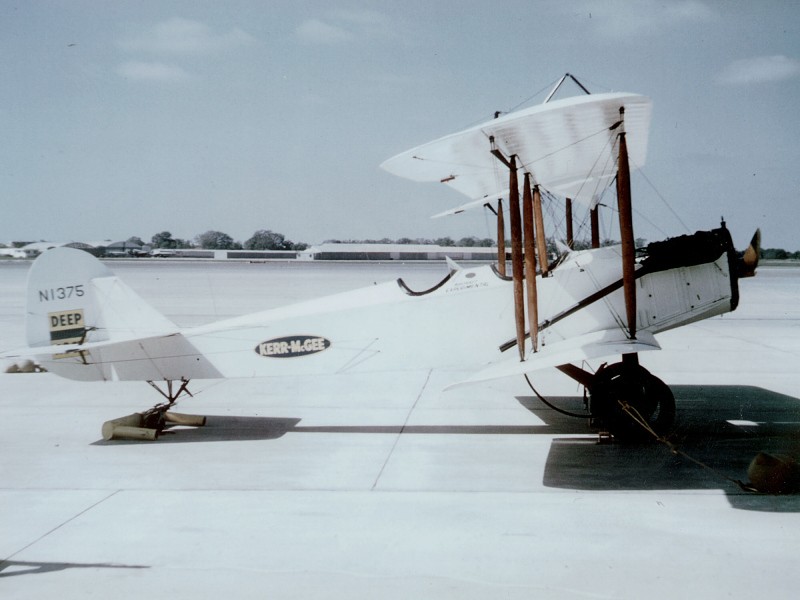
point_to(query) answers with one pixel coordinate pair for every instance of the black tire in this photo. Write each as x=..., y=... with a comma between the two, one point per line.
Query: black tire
x=642, y=391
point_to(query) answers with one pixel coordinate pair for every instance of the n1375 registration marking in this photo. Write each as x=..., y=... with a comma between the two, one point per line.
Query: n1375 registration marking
x=61, y=293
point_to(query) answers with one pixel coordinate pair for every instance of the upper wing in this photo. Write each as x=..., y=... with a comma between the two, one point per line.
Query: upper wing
x=566, y=145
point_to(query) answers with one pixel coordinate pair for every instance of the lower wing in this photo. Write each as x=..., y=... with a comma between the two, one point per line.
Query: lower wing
x=583, y=347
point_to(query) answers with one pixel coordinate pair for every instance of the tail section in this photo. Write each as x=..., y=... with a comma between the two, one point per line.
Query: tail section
x=107, y=331
x=74, y=299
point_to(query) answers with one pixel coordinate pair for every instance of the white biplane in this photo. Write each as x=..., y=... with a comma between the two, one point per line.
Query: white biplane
x=84, y=323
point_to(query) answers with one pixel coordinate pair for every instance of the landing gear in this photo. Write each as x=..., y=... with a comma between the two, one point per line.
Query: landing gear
x=630, y=403
x=150, y=424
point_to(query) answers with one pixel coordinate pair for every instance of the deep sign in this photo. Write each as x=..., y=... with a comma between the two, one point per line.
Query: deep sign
x=66, y=326
x=292, y=346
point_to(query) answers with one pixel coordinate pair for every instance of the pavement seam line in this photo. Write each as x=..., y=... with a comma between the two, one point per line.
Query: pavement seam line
x=402, y=429
x=57, y=527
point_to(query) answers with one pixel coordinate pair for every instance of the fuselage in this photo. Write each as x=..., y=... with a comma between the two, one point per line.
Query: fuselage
x=465, y=321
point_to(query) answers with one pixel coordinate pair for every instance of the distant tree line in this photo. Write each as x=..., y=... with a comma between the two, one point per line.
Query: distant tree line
x=779, y=254
x=469, y=242
x=263, y=239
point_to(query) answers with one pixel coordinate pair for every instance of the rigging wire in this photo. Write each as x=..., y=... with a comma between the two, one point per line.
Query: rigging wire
x=661, y=197
x=636, y=416
x=529, y=98
x=552, y=83
x=557, y=150
x=496, y=114
x=643, y=217
x=552, y=212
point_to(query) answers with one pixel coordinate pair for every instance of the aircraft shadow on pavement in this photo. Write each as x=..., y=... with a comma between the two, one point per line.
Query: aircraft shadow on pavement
x=231, y=428
x=13, y=568
x=221, y=429
x=765, y=421
x=702, y=431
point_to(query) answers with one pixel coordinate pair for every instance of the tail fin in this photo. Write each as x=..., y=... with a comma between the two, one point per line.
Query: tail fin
x=74, y=298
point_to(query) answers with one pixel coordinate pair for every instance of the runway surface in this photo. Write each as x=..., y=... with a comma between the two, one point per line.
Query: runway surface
x=384, y=486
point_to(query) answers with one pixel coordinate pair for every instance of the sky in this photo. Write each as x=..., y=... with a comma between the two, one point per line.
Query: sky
x=129, y=118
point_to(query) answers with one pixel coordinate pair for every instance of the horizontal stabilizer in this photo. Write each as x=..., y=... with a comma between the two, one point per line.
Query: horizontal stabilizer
x=597, y=344
x=137, y=359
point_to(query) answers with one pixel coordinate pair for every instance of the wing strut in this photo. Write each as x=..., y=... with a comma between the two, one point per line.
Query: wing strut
x=541, y=241
x=568, y=217
x=626, y=229
x=501, y=239
x=516, y=243
x=531, y=230
x=516, y=254
x=530, y=260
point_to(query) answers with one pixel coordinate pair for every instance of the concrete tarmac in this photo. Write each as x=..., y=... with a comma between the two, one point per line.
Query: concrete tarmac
x=383, y=486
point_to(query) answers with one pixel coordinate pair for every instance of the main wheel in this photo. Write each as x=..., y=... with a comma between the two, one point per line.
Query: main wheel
x=645, y=395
